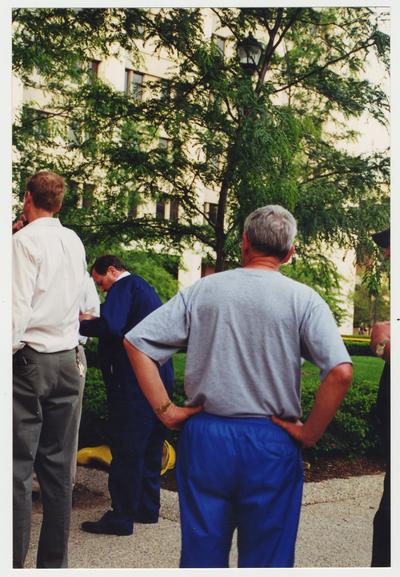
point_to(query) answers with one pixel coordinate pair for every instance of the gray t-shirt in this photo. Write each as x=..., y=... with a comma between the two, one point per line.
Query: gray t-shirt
x=244, y=331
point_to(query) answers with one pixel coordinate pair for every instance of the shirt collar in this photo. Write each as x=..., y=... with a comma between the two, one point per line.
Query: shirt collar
x=123, y=275
x=46, y=221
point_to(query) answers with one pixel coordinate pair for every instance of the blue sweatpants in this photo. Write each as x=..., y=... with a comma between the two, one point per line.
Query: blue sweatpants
x=244, y=473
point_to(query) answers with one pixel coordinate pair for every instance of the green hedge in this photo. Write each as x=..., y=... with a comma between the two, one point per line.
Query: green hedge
x=353, y=431
x=357, y=346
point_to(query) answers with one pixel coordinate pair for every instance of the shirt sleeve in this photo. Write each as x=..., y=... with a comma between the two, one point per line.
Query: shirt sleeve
x=90, y=298
x=164, y=332
x=24, y=273
x=321, y=342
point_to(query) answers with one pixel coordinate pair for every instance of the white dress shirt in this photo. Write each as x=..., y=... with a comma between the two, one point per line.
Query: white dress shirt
x=90, y=302
x=49, y=268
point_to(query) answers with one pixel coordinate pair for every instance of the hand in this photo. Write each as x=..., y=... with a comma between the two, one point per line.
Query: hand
x=174, y=417
x=295, y=430
x=18, y=224
x=381, y=332
x=86, y=317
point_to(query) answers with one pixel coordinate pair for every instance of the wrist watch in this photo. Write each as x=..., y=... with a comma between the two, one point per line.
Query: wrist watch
x=380, y=347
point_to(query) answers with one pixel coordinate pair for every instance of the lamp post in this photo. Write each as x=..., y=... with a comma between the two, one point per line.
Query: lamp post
x=249, y=53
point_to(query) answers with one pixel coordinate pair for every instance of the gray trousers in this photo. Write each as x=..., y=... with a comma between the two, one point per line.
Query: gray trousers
x=82, y=358
x=46, y=411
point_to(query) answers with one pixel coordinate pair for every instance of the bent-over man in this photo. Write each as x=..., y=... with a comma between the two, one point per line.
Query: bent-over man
x=245, y=331
x=136, y=435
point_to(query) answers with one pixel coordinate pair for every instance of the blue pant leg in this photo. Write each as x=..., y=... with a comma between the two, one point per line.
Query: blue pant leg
x=149, y=502
x=205, y=470
x=269, y=500
x=129, y=438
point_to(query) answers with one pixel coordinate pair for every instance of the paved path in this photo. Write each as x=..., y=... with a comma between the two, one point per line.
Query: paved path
x=335, y=527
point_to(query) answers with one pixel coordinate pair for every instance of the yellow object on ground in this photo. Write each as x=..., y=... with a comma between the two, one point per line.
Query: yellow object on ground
x=102, y=454
x=168, y=458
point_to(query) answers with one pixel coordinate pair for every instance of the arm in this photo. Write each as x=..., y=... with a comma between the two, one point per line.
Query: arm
x=380, y=337
x=90, y=303
x=24, y=272
x=150, y=382
x=328, y=399
x=93, y=326
x=113, y=315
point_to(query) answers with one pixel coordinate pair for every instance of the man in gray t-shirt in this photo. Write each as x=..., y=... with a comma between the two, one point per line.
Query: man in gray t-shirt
x=245, y=332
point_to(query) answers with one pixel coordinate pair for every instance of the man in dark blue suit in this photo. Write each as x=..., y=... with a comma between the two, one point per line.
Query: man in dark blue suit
x=136, y=434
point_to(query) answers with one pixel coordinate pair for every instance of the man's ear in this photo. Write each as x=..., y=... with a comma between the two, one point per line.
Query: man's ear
x=289, y=255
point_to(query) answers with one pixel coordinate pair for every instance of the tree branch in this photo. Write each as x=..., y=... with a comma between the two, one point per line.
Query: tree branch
x=326, y=65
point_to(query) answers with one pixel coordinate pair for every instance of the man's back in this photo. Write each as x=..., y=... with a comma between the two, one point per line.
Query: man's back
x=246, y=332
x=49, y=268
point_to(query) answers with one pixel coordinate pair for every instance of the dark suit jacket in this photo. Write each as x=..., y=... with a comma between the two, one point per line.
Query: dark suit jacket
x=128, y=301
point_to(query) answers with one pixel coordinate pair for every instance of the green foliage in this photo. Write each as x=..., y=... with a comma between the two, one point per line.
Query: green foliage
x=93, y=426
x=354, y=429
x=368, y=309
x=357, y=347
x=152, y=270
x=276, y=138
x=320, y=273
x=160, y=270
x=95, y=396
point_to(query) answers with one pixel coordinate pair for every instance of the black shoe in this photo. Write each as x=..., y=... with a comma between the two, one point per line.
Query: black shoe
x=145, y=520
x=105, y=527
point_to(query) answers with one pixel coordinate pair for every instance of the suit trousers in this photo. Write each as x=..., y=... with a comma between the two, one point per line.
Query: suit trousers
x=46, y=412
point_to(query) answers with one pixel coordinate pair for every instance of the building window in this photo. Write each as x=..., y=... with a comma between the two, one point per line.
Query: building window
x=87, y=195
x=93, y=68
x=134, y=84
x=210, y=210
x=133, y=211
x=160, y=209
x=164, y=143
x=72, y=196
x=133, y=203
x=165, y=88
x=39, y=120
x=173, y=209
x=74, y=135
x=219, y=42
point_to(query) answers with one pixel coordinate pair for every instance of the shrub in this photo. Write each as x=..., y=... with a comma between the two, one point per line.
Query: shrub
x=93, y=427
x=354, y=429
x=357, y=346
x=353, y=432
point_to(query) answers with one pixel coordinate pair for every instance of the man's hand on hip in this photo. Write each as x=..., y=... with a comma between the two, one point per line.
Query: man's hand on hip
x=295, y=430
x=175, y=416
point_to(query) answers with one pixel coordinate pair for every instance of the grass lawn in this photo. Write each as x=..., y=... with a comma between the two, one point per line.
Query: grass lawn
x=366, y=370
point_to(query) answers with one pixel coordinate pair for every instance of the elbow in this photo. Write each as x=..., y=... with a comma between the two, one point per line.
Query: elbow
x=128, y=346
x=133, y=353
x=343, y=375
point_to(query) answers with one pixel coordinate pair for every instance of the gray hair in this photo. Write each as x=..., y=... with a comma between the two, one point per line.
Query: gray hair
x=271, y=229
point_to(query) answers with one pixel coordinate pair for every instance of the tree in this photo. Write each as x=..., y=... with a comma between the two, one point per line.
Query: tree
x=274, y=138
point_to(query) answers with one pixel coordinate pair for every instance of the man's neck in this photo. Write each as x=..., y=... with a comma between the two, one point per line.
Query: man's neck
x=35, y=214
x=263, y=262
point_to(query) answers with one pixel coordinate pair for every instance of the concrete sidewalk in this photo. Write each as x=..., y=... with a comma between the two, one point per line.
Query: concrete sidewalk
x=335, y=527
